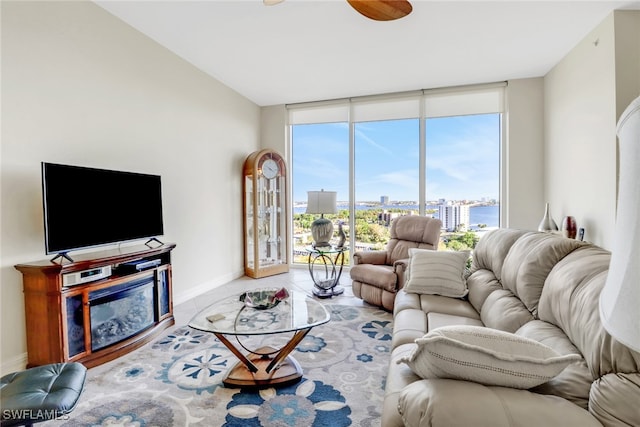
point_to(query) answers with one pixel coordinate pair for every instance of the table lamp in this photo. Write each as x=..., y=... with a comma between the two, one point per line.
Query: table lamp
x=321, y=202
x=621, y=293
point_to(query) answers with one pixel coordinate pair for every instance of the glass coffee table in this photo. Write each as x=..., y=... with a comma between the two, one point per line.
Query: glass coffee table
x=266, y=366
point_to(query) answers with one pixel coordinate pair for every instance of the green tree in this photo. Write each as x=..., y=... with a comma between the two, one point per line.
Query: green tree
x=470, y=239
x=461, y=241
x=456, y=245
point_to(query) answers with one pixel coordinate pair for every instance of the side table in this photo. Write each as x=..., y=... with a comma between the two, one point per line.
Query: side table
x=325, y=268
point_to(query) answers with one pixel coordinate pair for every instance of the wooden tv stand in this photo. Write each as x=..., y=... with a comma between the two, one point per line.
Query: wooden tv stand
x=58, y=317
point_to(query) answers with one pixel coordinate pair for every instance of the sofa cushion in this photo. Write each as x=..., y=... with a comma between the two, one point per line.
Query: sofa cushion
x=574, y=382
x=437, y=272
x=491, y=250
x=439, y=320
x=503, y=310
x=411, y=311
x=406, y=301
x=450, y=403
x=480, y=284
x=614, y=399
x=408, y=325
x=398, y=377
x=570, y=301
x=486, y=356
x=529, y=262
x=446, y=305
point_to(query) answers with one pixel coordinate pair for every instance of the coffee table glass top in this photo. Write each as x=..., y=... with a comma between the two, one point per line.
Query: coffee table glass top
x=231, y=316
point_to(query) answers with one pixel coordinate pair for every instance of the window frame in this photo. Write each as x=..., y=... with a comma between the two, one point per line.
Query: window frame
x=422, y=104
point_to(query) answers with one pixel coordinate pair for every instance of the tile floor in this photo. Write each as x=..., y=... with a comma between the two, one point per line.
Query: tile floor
x=296, y=278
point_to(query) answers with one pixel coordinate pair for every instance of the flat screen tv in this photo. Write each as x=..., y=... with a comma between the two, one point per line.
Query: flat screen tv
x=87, y=207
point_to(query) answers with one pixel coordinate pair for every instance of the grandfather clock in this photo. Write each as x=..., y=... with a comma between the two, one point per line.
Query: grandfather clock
x=265, y=214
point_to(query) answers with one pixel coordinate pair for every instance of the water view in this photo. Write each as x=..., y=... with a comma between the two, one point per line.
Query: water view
x=488, y=215
x=372, y=227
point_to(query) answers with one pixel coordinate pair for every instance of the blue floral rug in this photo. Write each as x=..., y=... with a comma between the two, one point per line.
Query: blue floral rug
x=177, y=380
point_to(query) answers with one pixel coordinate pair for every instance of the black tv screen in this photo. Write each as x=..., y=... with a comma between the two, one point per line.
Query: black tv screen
x=87, y=207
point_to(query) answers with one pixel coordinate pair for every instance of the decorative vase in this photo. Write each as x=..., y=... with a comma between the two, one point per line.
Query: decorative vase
x=569, y=227
x=321, y=231
x=547, y=224
x=341, y=235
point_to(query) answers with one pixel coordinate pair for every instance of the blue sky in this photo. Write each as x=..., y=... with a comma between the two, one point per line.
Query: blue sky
x=463, y=156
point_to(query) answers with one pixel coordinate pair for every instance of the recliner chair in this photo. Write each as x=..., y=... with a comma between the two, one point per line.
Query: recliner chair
x=378, y=275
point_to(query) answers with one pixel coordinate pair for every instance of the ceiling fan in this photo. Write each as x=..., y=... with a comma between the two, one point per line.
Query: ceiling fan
x=378, y=10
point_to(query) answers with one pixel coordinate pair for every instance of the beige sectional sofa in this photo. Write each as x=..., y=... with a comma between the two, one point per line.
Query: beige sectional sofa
x=535, y=285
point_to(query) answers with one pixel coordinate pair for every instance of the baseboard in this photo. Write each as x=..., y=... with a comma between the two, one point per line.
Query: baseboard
x=17, y=363
x=181, y=297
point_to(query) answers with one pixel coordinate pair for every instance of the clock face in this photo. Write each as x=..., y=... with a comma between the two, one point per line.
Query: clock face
x=270, y=168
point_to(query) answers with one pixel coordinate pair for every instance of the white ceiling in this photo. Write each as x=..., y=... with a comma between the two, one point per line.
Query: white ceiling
x=303, y=50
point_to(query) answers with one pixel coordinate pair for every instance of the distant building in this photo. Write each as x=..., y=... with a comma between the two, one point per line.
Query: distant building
x=384, y=200
x=385, y=217
x=453, y=215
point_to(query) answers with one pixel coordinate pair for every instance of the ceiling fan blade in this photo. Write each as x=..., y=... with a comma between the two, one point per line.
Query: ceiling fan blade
x=382, y=10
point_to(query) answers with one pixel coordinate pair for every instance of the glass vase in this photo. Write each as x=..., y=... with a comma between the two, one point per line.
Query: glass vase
x=547, y=224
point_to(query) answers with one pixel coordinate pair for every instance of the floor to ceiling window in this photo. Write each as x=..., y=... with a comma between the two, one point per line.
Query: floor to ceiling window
x=320, y=161
x=387, y=161
x=429, y=153
x=463, y=171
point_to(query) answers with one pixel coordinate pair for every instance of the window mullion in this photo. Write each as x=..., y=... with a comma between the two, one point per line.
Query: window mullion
x=422, y=163
x=352, y=185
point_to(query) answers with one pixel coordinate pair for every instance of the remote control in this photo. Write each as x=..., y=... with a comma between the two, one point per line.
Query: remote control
x=215, y=317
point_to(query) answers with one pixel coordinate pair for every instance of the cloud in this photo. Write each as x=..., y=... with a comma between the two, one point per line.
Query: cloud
x=398, y=185
x=362, y=136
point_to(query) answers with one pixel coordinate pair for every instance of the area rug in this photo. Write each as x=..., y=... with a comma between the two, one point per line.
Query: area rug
x=177, y=380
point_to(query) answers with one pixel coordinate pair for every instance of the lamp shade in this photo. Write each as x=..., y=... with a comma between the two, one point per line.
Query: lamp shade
x=321, y=202
x=620, y=297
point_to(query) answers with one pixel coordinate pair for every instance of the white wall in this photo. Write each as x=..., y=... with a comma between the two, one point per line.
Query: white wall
x=81, y=87
x=584, y=96
x=273, y=129
x=523, y=155
x=627, y=33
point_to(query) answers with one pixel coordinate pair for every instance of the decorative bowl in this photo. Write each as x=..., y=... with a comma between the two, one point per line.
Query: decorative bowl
x=263, y=299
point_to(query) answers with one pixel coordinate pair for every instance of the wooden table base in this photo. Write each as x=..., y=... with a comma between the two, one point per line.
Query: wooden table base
x=265, y=367
x=286, y=373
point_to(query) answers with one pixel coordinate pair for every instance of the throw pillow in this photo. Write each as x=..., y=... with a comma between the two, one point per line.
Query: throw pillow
x=487, y=356
x=437, y=272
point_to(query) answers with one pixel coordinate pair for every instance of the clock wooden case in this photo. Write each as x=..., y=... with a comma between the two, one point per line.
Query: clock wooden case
x=266, y=247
